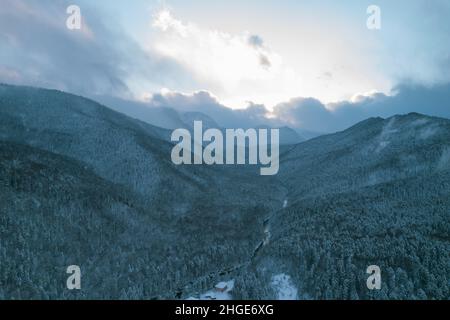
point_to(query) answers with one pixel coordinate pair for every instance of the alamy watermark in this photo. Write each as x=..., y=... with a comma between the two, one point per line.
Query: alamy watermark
x=374, y=19
x=74, y=280
x=73, y=22
x=239, y=146
x=374, y=280
x=373, y=22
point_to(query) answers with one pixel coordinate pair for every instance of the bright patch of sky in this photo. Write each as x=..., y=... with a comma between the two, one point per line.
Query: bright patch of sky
x=266, y=52
x=319, y=49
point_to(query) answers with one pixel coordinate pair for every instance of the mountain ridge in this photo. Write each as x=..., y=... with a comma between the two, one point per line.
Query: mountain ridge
x=82, y=183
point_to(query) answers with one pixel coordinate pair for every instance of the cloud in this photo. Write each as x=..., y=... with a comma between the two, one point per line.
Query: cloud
x=264, y=61
x=202, y=101
x=236, y=67
x=37, y=49
x=305, y=113
x=255, y=41
x=311, y=114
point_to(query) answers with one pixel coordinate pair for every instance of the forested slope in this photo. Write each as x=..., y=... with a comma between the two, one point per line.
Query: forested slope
x=82, y=184
x=375, y=194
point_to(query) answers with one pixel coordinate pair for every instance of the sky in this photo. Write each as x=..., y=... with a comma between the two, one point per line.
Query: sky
x=313, y=65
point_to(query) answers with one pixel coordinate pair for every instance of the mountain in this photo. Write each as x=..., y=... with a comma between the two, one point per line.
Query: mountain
x=162, y=117
x=207, y=122
x=170, y=118
x=369, y=153
x=83, y=184
x=377, y=193
x=288, y=136
x=117, y=148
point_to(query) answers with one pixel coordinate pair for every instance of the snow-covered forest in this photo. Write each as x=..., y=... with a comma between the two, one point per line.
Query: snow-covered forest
x=83, y=185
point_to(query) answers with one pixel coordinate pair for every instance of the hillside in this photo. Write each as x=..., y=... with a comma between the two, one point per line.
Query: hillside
x=377, y=193
x=170, y=118
x=83, y=184
x=369, y=153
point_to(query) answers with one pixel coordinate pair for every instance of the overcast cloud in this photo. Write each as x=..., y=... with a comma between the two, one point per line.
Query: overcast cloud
x=103, y=60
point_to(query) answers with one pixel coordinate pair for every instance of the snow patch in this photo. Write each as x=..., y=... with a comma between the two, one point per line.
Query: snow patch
x=221, y=291
x=444, y=161
x=284, y=288
x=420, y=122
x=383, y=139
x=267, y=235
x=428, y=132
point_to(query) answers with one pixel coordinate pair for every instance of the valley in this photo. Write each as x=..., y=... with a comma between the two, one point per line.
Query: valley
x=82, y=184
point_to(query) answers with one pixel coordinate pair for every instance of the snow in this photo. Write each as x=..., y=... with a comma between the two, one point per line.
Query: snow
x=385, y=135
x=444, y=161
x=222, y=286
x=217, y=293
x=420, y=122
x=428, y=132
x=267, y=235
x=285, y=289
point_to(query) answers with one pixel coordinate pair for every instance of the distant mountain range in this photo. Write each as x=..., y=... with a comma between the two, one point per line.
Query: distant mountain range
x=170, y=118
x=83, y=184
x=377, y=193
